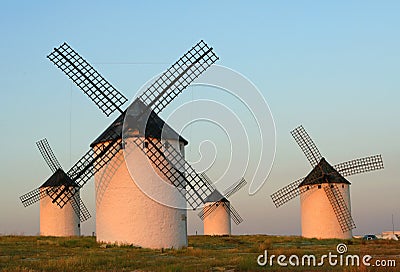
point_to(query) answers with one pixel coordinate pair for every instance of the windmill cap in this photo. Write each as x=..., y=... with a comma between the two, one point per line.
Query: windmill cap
x=323, y=172
x=155, y=126
x=59, y=178
x=216, y=196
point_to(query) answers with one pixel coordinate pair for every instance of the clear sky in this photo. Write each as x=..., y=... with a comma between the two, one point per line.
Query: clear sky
x=332, y=67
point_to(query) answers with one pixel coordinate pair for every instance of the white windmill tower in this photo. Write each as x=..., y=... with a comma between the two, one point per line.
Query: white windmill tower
x=125, y=214
x=55, y=221
x=218, y=212
x=325, y=193
x=140, y=220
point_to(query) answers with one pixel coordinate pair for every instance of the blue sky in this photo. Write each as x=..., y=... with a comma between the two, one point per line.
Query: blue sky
x=332, y=67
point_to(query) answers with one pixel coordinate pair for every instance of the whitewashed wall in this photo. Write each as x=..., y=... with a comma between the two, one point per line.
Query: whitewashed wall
x=55, y=221
x=218, y=222
x=126, y=215
x=318, y=220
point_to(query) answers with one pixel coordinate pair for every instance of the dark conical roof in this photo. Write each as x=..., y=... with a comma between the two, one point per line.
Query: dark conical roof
x=323, y=172
x=59, y=178
x=155, y=126
x=216, y=196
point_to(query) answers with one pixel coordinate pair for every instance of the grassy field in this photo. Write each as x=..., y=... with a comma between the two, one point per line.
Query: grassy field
x=204, y=253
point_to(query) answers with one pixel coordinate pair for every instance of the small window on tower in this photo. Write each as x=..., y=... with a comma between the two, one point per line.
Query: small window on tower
x=319, y=186
x=342, y=185
x=146, y=145
x=331, y=185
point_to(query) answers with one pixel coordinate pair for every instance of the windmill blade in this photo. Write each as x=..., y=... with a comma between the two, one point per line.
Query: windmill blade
x=339, y=207
x=61, y=195
x=361, y=165
x=290, y=191
x=173, y=166
x=207, y=210
x=48, y=155
x=85, y=168
x=107, y=174
x=286, y=193
x=183, y=72
x=197, y=187
x=79, y=207
x=307, y=145
x=95, y=159
x=235, y=187
x=32, y=197
x=37, y=194
x=233, y=213
x=108, y=99
x=76, y=202
x=51, y=160
x=96, y=87
x=207, y=180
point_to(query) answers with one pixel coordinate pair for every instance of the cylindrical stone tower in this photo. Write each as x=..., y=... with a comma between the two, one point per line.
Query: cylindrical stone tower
x=318, y=219
x=125, y=213
x=56, y=221
x=218, y=222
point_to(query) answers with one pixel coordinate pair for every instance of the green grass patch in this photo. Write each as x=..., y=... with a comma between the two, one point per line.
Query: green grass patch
x=204, y=253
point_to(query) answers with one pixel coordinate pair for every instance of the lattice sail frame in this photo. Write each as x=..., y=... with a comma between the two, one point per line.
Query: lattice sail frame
x=108, y=173
x=209, y=209
x=32, y=197
x=348, y=168
x=80, y=173
x=37, y=194
x=237, y=219
x=76, y=202
x=48, y=155
x=178, y=77
x=235, y=187
x=194, y=187
x=360, y=165
x=287, y=193
x=340, y=208
x=79, y=207
x=84, y=169
x=173, y=166
x=166, y=88
x=96, y=87
x=307, y=145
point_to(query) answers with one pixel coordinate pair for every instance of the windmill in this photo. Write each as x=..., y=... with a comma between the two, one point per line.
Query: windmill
x=324, y=192
x=144, y=130
x=218, y=212
x=53, y=220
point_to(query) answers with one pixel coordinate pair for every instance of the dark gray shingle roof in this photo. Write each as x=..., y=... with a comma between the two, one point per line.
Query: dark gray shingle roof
x=59, y=178
x=216, y=196
x=155, y=126
x=323, y=172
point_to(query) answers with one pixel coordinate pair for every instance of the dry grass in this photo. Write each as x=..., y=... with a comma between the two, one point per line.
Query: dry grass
x=205, y=253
